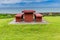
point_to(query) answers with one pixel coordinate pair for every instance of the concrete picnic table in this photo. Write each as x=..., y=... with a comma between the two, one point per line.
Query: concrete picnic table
x=28, y=16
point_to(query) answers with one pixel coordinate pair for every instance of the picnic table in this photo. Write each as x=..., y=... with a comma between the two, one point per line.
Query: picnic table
x=28, y=16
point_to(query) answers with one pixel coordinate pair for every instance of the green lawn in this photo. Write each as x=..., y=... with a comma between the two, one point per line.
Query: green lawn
x=49, y=31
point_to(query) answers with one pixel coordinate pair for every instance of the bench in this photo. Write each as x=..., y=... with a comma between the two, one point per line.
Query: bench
x=38, y=17
x=19, y=17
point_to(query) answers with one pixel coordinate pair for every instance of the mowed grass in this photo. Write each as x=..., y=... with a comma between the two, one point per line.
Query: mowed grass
x=49, y=31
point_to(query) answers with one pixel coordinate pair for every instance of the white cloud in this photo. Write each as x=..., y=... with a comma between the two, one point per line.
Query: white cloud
x=34, y=0
x=17, y=1
x=9, y=1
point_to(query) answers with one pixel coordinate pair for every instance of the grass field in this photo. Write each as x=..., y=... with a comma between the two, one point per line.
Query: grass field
x=49, y=31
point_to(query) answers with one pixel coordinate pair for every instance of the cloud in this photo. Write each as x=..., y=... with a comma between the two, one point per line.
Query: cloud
x=17, y=1
x=34, y=0
x=9, y=1
x=29, y=3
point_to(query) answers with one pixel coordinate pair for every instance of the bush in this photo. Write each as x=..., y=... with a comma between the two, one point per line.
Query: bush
x=6, y=15
x=51, y=14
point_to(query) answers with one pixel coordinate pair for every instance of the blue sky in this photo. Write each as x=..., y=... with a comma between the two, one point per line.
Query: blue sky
x=30, y=3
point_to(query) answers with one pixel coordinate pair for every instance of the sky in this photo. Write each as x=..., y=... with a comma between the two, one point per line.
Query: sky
x=30, y=3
